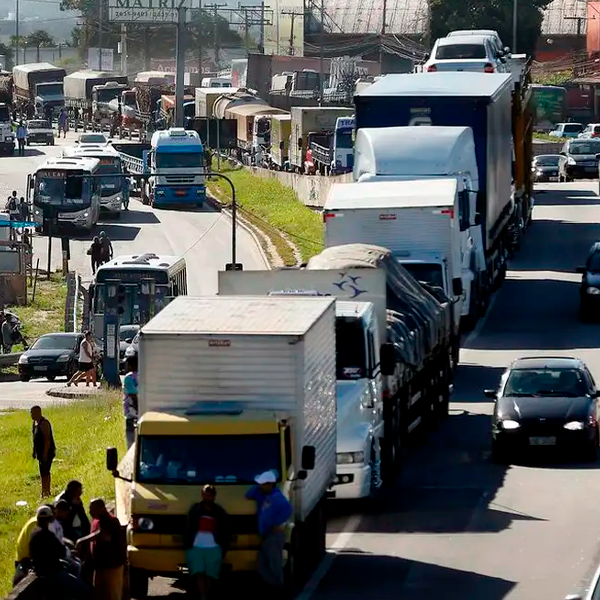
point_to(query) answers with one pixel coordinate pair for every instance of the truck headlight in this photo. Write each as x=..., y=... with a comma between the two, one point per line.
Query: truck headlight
x=510, y=424
x=142, y=523
x=348, y=458
x=9, y=138
x=160, y=192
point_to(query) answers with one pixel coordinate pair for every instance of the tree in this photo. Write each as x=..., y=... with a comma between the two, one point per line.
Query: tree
x=40, y=39
x=447, y=15
x=8, y=55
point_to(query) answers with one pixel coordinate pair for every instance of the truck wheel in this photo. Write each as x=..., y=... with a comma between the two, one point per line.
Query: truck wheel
x=138, y=584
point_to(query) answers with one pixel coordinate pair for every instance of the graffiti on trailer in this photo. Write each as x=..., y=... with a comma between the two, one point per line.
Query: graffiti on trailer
x=350, y=283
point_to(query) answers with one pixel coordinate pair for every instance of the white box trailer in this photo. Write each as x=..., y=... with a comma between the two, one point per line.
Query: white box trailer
x=206, y=97
x=272, y=354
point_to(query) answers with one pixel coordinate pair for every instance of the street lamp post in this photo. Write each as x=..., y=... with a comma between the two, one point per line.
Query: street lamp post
x=17, y=33
x=514, y=27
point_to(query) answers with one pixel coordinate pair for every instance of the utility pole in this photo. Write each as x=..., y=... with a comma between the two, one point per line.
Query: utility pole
x=292, y=14
x=124, y=49
x=321, y=61
x=180, y=66
x=514, y=24
x=199, y=42
x=383, y=24
x=246, y=32
x=17, y=34
x=100, y=32
x=216, y=8
x=261, y=35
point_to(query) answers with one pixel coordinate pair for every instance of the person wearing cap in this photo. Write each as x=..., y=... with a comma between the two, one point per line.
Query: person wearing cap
x=205, y=540
x=273, y=510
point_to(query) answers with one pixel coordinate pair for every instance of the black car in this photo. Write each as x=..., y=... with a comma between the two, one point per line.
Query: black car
x=127, y=333
x=545, y=167
x=578, y=159
x=589, y=291
x=51, y=355
x=545, y=402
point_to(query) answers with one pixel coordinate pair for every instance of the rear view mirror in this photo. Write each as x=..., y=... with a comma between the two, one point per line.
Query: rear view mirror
x=129, y=340
x=490, y=394
x=387, y=359
x=112, y=459
x=308, y=458
x=580, y=270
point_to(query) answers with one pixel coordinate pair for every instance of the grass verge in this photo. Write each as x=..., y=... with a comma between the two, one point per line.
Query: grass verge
x=547, y=138
x=275, y=209
x=83, y=430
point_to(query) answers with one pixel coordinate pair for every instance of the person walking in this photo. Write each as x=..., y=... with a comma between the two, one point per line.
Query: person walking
x=108, y=548
x=12, y=206
x=107, y=249
x=77, y=524
x=23, y=208
x=86, y=367
x=63, y=122
x=7, y=335
x=130, y=399
x=44, y=448
x=21, y=137
x=273, y=510
x=95, y=253
x=205, y=541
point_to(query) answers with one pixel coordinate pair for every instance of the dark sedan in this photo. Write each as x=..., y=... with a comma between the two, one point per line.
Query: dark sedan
x=589, y=291
x=545, y=402
x=127, y=333
x=545, y=167
x=578, y=160
x=51, y=355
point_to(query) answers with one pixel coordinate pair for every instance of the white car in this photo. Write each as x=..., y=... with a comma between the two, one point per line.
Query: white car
x=591, y=131
x=465, y=53
x=569, y=130
x=489, y=33
x=86, y=139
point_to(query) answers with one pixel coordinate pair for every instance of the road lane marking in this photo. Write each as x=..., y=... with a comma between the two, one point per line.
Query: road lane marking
x=342, y=540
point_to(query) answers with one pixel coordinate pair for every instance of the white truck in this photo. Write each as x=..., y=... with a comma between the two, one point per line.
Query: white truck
x=251, y=388
x=424, y=153
x=360, y=426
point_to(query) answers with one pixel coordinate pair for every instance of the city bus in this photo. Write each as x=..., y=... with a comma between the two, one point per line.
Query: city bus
x=170, y=280
x=114, y=191
x=65, y=192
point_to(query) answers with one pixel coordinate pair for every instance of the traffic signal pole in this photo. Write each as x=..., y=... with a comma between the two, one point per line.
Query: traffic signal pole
x=110, y=363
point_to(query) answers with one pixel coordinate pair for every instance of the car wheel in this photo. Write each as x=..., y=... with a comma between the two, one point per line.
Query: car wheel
x=24, y=378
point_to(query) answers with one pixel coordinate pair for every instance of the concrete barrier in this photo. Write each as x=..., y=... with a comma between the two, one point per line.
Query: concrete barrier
x=543, y=147
x=312, y=190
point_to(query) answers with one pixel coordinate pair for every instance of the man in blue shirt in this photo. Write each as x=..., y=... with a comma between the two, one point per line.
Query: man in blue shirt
x=130, y=399
x=273, y=510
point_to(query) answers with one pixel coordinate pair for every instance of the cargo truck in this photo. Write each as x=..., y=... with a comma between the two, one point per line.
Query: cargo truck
x=7, y=137
x=252, y=388
x=311, y=120
x=281, y=129
x=425, y=153
x=40, y=84
x=331, y=152
x=88, y=92
x=206, y=97
x=496, y=109
x=393, y=362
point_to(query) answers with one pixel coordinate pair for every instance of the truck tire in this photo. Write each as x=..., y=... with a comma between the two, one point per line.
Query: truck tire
x=138, y=584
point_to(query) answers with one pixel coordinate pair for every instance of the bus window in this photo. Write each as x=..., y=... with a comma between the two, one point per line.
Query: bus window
x=74, y=188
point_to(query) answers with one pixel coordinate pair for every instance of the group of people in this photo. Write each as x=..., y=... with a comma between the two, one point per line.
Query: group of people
x=72, y=554
x=17, y=208
x=88, y=360
x=100, y=251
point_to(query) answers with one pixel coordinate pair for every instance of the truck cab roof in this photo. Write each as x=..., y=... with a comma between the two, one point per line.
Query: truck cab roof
x=176, y=139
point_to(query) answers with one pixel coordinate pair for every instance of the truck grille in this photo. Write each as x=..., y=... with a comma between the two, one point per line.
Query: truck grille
x=175, y=524
x=179, y=179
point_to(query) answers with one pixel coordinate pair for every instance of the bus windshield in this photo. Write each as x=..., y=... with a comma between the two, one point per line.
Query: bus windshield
x=172, y=160
x=110, y=185
x=61, y=189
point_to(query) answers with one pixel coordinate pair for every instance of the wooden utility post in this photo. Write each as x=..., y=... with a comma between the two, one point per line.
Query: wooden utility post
x=215, y=8
x=292, y=14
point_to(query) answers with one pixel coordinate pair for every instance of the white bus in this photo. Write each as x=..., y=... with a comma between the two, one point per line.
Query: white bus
x=64, y=193
x=168, y=273
x=114, y=191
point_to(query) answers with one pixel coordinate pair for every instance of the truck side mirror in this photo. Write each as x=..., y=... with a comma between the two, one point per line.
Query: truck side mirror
x=477, y=218
x=31, y=183
x=492, y=394
x=308, y=458
x=302, y=475
x=112, y=459
x=457, y=287
x=387, y=359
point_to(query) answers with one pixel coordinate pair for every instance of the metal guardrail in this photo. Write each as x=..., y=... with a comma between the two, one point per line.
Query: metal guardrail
x=8, y=360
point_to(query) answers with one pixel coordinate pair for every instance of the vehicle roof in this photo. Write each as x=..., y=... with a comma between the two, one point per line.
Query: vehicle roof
x=37, y=120
x=350, y=308
x=416, y=193
x=569, y=123
x=248, y=110
x=547, y=362
x=91, y=133
x=239, y=315
x=546, y=156
x=91, y=151
x=91, y=75
x=71, y=163
x=62, y=334
x=450, y=83
x=463, y=39
x=465, y=32
x=42, y=66
x=142, y=261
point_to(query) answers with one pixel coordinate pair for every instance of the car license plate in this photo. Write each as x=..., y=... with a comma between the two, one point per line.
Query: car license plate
x=180, y=192
x=542, y=441
x=40, y=368
x=553, y=178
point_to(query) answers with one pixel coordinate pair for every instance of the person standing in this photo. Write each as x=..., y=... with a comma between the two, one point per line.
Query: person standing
x=273, y=510
x=130, y=399
x=108, y=552
x=23, y=209
x=205, y=540
x=44, y=448
x=7, y=336
x=86, y=367
x=107, y=249
x=77, y=525
x=63, y=122
x=12, y=206
x=95, y=252
x=21, y=137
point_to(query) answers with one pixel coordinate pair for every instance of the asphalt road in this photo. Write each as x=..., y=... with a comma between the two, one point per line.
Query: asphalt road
x=202, y=236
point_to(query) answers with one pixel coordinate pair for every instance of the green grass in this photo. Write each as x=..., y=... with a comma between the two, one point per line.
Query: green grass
x=547, y=138
x=83, y=430
x=274, y=208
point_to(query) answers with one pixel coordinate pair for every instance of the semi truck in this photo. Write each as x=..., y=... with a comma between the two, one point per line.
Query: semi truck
x=88, y=92
x=7, y=137
x=431, y=153
x=394, y=355
x=254, y=391
x=496, y=109
x=311, y=120
x=40, y=84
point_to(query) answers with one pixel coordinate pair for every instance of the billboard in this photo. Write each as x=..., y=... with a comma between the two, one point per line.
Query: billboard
x=100, y=59
x=285, y=35
x=147, y=11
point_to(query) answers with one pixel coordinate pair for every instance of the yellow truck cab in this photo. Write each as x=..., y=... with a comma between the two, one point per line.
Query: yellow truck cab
x=230, y=387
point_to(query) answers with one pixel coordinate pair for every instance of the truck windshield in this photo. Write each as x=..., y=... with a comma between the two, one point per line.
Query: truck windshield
x=351, y=358
x=219, y=459
x=344, y=138
x=175, y=160
x=50, y=89
x=4, y=114
x=108, y=95
x=69, y=190
x=429, y=273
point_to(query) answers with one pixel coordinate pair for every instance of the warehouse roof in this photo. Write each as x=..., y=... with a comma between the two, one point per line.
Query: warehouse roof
x=408, y=17
x=554, y=22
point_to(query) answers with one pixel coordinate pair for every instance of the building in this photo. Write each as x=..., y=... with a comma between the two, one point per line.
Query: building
x=564, y=30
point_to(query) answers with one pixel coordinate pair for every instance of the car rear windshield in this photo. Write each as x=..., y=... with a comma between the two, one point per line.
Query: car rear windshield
x=545, y=382
x=587, y=147
x=460, y=51
x=55, y=342
x=547, y=161
x=572, y=128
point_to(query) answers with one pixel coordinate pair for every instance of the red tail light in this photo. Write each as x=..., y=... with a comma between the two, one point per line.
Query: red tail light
x=595, y=134
x=431, y=69
x=488, y=68
x=327, y=216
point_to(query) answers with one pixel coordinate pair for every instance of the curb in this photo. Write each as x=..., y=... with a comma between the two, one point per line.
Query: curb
x=68, y=393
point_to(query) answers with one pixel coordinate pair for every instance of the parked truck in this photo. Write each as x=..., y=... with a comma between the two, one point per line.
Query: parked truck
x=254, y=392
x=7, y=137
x=206, y=97
x=331, y=152
x=393, y=361
x=40, y=84
x=425, y=153
x=496, y=110
x=281, y=129
x=88, y=92
x=311, y=120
